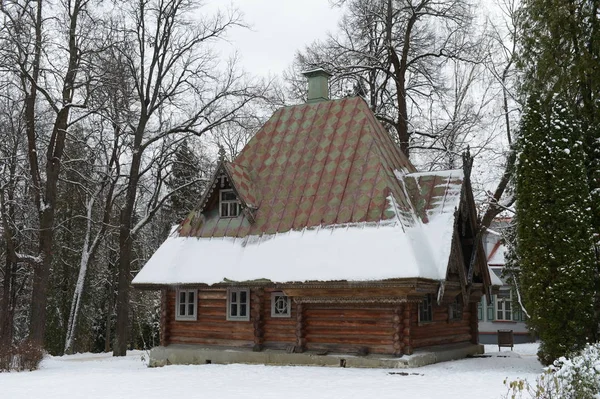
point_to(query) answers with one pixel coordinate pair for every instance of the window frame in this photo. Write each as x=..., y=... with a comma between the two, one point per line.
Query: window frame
x=455, y=309
x=238, y=302
x=274, y=296
x=501, y=310
x=427, y=301
x=229, y=204
x=187, y=316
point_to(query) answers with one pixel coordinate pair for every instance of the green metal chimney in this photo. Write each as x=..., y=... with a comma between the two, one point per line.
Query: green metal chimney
x=318, y=85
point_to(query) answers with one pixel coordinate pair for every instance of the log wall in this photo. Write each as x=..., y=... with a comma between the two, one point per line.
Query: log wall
x=348, y=328
x=440, y=330
x=211, y=326
x=280, y=332
x=354, y=328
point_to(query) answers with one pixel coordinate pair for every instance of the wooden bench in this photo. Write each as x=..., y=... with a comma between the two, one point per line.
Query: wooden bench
x=506, y=339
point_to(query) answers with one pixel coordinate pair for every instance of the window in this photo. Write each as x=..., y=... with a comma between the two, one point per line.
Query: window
x=426, y=309
x=455, y=309
x=230, y=206
x=186, y=305
x=280, y=305
x=504, y=305
x=237, y=304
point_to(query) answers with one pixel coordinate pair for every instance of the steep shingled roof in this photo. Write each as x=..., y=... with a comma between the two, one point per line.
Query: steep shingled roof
x=330, y=197
x=314, y=164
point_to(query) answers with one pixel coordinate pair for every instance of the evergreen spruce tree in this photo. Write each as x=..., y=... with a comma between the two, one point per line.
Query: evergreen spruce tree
x=185, y=178
x=560, y=54
x=554, y=232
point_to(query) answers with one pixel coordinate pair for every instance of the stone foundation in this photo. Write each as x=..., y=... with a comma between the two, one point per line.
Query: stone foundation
x=195, y=354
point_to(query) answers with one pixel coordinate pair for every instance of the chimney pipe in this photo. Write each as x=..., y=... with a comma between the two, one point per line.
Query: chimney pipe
x=318, y=85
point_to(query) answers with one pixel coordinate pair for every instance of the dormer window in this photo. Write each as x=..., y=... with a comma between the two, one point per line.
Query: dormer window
x=229, y=205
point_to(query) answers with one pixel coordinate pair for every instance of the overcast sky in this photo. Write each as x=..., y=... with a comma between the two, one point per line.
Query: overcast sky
x=279, y=28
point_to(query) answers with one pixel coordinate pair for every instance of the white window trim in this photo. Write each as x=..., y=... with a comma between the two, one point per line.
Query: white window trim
x=288, y=314
x=186, y=317
x=228, y=202
x=238, y=291
x=502, y=301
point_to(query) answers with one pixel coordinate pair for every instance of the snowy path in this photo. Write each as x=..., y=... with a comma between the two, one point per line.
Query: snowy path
x=97, y=376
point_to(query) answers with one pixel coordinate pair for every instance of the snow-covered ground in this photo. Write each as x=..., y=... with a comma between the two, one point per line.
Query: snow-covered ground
x=102, y=376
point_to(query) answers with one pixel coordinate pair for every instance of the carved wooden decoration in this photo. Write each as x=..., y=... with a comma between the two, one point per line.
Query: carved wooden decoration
x=408, y=350
x=257, y=316
x=300, y=329
x=398, y=323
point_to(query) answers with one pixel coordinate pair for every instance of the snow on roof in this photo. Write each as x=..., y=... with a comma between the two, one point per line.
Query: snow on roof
x=493, y=232
x=355, y=252
x=496, y=257
x=495, y=279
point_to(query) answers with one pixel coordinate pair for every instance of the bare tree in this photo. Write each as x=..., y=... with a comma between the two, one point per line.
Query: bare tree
x=99, y=190
x=178, y=89
x=392, y=53
x=12, y=193
x=501, y=63
x=50, y=66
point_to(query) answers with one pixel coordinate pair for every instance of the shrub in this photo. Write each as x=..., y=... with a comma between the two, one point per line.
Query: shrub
x=24, y=356
x=576, y=377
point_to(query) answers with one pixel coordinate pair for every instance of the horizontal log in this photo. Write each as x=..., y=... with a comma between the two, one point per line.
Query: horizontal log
x=348, y=292
x=440, y=335
x=439, y=328
x=366, y=314
x=349, y=331
x=280, y=329
x=218, y=342
x=351, y=349
x=440, y=340
x=350, y=323
x=212, y=303
x=280, y=321
x=279, y=338
x=213, y=327
x=220, y=295
x=355, y=340
x=213, y=335
x=213, y=312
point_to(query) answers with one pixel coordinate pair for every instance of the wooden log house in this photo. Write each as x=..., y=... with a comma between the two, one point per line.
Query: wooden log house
x=321, y=236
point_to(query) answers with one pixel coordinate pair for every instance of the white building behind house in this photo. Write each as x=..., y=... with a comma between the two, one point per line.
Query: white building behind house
x=503, y=313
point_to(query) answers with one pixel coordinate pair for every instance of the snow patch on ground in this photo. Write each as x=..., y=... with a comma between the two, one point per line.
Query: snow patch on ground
x=99, y=376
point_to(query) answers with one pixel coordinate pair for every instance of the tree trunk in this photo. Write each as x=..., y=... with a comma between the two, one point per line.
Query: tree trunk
x=54, y=154
x=126, y=244
x=109, y=310
x=6, y=305
x=41, y=274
